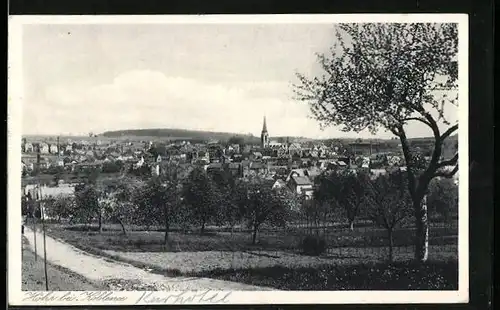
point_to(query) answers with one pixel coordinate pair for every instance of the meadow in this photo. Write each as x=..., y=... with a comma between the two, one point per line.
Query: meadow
x=276, y=259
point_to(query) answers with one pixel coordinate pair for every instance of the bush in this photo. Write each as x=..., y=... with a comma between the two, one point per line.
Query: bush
x=313, y=245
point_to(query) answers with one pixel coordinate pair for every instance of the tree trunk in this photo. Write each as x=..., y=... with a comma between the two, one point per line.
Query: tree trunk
x=254, y=235
x=123, y=226
x=167, y=228
x=100, y=222
x=202, y=230
x=422, y=233
x=391, y=244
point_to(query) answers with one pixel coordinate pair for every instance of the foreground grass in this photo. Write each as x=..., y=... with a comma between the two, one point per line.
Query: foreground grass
x=380, y=276
x=60, y=279
x=351, y=268
x=285, y=240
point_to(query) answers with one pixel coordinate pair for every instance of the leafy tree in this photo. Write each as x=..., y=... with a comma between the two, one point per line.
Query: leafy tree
x=390, y=203
x=117, y=201
x=344, y=189
x=87, y=204
x=262, y=205
x=230, y=210
x=315, y=211
x=386, y=76
x=112, y=167
x=61, y=207
x=201, y=195
x=443, y=197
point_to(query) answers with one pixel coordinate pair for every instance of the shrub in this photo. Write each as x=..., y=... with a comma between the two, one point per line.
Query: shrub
x=313, y=245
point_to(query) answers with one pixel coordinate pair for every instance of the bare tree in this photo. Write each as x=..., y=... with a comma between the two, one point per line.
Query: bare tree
x=386, y=76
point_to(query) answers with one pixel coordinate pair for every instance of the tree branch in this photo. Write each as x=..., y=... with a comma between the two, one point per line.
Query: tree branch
x=451, y=162
x=446, y=174
x=449, y=131
x=408, y=158
x=418, y=119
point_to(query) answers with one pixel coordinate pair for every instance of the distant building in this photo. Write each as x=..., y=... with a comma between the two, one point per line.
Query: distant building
x=53, y=149
x=28, y=147
x=279, y=184
x=44, y=148
x=295, y=149
x=155, y=170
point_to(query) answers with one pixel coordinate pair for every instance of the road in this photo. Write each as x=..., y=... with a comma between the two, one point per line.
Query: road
x=104, y=270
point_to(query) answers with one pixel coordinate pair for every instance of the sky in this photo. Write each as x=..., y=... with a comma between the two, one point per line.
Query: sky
x=216, y=77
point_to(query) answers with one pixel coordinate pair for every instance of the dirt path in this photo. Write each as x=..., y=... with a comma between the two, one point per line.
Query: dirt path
x=103, y=270
x=60, y=279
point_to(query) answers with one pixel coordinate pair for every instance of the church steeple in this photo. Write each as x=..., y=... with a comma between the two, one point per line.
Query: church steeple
x=264, y=127
x=264, y=136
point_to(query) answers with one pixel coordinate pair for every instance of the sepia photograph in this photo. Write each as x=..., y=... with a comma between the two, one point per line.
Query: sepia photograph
x=271, y=157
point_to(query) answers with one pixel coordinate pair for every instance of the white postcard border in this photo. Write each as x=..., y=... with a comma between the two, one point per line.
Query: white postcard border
x=15, y=99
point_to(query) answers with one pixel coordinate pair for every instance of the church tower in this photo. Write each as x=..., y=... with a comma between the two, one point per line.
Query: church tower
x=264, y=136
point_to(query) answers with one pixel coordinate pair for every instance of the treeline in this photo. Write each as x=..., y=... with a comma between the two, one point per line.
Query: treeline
x=177, y=134
x=187, y=199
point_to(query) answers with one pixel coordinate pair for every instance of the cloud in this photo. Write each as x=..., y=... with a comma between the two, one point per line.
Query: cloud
x=152, y=99
x=145, y=99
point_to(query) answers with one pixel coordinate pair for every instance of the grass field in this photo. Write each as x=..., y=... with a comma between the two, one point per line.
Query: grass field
x=276, y=260
x=152, y=240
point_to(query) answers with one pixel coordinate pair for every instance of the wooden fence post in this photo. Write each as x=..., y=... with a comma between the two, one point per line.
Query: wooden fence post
x=34, y=232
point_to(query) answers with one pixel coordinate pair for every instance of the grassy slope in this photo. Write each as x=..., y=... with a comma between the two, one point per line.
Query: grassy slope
x=60, y=279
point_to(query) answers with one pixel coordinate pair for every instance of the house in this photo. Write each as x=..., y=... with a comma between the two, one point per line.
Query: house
x=375, y=173
x=44, y=148
x=204, y=156
x=278, y=184
x=301, y=185
x=140, y=163
x=44, y=163
x=230, y=149
x=312, y=173
x=53, y=149
x=365, y=162
x=236, y=158
x=258, y=167
x=155, y=170
x=295, y=150
x=69, y=148
x=257, y=155
x=28, y=147
x=235, y=169
x=294, y=172
x=213, y=167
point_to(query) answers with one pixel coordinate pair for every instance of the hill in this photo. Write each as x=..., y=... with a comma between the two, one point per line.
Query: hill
x=178, y=134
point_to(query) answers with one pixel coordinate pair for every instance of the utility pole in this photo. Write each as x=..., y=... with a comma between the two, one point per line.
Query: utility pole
x=33, y=212
x=42, y=215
